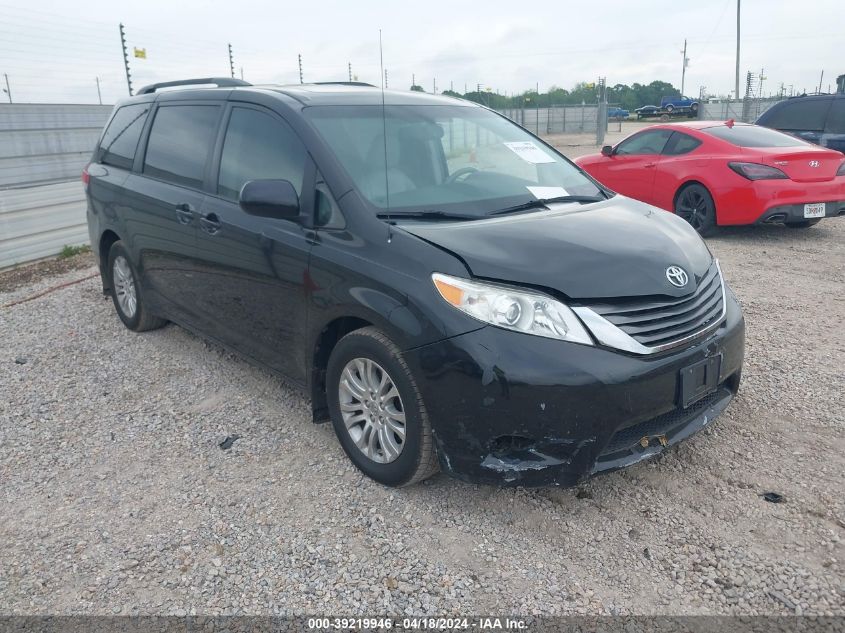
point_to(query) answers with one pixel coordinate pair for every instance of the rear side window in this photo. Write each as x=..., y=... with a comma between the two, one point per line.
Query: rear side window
x=180, y=143
x=836, y=118
x=680, y=144
x=651, y=142
x=753, y=136
x=120, y=139
x=801, y=115
x=257, y=146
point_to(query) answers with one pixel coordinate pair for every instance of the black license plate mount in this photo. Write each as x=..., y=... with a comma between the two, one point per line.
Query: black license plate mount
x=700, y=380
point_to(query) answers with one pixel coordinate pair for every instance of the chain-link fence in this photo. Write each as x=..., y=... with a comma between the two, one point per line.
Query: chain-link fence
x=557, y=119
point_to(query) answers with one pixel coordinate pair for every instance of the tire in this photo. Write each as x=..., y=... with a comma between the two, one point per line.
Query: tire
x=670, y=108
x=803, y=224
x=369, y=351
x=695, y=205
x=664, y=117
x=126, y=292
x=694, y=108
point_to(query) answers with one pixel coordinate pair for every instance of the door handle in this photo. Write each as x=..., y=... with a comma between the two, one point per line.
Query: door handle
x=210, y=223
x=184, y=213
x=649, y=165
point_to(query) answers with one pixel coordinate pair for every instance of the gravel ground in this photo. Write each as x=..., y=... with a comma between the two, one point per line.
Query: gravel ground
x=118, y=499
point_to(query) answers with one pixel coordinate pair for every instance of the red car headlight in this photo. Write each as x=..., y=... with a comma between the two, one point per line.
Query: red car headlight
x=756, y=171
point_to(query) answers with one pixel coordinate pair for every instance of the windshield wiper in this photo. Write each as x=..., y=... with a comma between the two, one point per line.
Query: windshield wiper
x=427, y=215
x=542, y=203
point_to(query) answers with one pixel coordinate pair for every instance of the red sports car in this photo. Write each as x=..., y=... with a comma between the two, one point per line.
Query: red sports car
x=721, y=173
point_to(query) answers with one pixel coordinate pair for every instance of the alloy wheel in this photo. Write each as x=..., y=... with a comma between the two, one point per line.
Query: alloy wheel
x=372, y=410
x=124, y=286
x=694, y=207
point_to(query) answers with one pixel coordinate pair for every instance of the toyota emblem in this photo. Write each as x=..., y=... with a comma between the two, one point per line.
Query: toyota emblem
x=677, y=276
x=814, y=163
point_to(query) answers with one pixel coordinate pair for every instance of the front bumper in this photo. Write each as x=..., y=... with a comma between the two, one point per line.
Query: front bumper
x=512, y=409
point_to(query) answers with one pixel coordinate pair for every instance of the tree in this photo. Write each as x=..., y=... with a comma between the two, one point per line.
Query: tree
x=416, y=88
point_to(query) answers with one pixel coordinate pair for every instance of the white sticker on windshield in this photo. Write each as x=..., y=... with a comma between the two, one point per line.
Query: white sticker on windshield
x=544, y=193
x=529, y=152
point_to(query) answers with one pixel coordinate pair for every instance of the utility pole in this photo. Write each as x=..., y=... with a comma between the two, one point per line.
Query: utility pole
x=385, y=78
x=434, y=85
x=821, y=79
x=736, y=91
x=125, y=59
x=242, y=73
x=413, y=80
x=8, y=90
x=684, y=68
x=299, y=57
x=350, y=71
x=231, y=62
x=99, y=96
x=760, y=87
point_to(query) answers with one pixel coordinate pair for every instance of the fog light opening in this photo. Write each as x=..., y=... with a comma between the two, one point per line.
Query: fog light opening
x=506, y=446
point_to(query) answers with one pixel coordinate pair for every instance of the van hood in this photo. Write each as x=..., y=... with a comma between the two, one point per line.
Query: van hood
x=614, y=248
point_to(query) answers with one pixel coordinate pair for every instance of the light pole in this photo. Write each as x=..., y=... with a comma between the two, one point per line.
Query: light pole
x=736, y=90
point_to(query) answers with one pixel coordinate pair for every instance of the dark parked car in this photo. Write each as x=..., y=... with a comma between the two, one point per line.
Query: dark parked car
x=449, y=290
x=647, y=110
x=819, y=119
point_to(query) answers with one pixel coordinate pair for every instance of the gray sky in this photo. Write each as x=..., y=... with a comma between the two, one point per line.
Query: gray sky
x=52, y=51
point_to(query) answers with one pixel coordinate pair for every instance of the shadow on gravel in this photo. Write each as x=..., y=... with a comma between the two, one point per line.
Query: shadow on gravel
x=772, y=233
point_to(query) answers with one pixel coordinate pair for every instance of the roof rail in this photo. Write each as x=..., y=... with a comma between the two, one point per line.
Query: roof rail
x=221, y=82
x=343, y=83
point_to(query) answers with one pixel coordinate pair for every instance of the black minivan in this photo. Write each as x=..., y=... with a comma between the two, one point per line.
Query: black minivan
x=452, y=292
x=819, y=119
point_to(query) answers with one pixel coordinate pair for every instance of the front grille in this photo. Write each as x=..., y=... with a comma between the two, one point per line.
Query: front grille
x=657, y=323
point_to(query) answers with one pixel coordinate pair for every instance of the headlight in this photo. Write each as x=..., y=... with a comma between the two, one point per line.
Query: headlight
x=512, y=308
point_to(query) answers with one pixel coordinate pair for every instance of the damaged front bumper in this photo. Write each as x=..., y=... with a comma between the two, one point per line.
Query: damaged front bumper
x=512, y=409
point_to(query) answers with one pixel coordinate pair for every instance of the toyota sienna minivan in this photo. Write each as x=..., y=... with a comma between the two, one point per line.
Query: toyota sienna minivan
x=452, y=293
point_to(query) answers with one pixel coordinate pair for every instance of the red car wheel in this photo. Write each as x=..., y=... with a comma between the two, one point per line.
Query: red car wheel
x=695, y=205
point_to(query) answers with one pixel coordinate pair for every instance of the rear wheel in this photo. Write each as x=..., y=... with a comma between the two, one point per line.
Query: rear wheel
x=127, y=294
x=377, y=411
x=803, y=224
x=695, y=205
x=670, y=108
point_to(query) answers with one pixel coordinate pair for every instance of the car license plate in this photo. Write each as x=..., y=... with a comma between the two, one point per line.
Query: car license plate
x=814, y=210
x=699, y=380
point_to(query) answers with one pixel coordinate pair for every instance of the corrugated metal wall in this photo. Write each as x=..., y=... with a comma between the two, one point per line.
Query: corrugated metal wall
x=43, y=149
x=737, y=110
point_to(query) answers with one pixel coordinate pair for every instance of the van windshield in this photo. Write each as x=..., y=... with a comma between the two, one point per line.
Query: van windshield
x=449, y=159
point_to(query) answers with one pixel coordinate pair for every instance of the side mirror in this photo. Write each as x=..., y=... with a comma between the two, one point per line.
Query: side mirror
x=270, y=199
x=607, y=150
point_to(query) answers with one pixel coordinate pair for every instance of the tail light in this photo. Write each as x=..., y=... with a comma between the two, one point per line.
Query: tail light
x=841, y=170
x=85, y=176
x=756, y=171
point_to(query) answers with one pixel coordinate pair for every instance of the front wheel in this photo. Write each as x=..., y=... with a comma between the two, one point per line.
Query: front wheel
x=377, y=410
x=695, y=205
x=670, y=108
